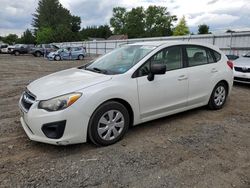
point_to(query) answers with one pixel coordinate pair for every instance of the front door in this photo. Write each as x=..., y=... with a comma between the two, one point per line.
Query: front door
x=167, y=93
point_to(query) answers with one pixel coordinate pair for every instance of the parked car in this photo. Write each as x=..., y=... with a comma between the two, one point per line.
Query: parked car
x=68, y=53
x=10, y=48
x=130, y=85
x=41, y=49
x=232, y=57
x=21, y=49
x=4, y=48
x=242, y=69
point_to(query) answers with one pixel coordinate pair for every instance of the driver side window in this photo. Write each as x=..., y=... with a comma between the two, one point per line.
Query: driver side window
x=171, y=56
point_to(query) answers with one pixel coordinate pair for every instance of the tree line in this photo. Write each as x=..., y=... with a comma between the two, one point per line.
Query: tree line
x=54, y=23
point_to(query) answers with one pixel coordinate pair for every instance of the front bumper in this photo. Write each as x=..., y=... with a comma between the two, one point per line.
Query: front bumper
x=241, y=77
x=75, y=130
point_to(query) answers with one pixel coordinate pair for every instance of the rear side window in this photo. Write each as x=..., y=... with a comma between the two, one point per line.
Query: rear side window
x=196, y=55
x=217, y=56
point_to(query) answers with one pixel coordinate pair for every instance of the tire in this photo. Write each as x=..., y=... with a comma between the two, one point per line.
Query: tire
x=103, y=132
x=17, y=53
x=80, y=57
x=57, y=58
x=218, y=97
x=38, y=54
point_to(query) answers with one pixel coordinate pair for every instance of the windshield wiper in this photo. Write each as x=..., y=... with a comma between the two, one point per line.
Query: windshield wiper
x=95, y=69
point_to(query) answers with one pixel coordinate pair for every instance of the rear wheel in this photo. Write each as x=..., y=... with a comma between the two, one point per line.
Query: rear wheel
x=38, y=54
x=218, y=96
x=57, y=58
x=108, y=124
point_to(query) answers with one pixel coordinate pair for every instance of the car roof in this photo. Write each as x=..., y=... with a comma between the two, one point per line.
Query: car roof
x=174, y=42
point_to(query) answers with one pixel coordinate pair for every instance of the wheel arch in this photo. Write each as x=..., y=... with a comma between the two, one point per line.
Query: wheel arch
x=125, y=104
x=226, y=83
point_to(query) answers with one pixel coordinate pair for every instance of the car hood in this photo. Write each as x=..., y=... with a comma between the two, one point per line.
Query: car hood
x=51, y=54
x=242, y=62
x=64, y=82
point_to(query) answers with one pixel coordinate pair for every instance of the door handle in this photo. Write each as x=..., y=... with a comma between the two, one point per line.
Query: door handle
x=182, y=77
x=214, y=70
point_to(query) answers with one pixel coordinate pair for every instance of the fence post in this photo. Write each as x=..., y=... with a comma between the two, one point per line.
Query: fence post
x=213, y=39
x=231, y=38
x=105, y=45
x=89, y=48
x=96, y=48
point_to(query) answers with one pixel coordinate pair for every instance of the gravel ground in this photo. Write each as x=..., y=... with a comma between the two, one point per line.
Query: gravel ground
x=198, y=148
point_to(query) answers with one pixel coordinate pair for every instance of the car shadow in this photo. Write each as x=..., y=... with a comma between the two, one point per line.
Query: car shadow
x=241, y=85
x=61, y=150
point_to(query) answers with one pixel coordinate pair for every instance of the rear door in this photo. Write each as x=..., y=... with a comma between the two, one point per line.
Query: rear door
x=65, y=54
x=166, y=93
x=202, y=73
x=74, y=53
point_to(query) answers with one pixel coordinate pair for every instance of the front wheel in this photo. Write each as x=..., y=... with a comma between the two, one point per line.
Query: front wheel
x=108, y=124
x=17, y=53
x=57, y=58
x=80, y=57
x=218, y=96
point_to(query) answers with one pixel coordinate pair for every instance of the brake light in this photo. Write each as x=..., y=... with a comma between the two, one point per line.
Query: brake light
x=230, y=64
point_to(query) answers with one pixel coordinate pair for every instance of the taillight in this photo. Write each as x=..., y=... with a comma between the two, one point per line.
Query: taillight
x=230, y=64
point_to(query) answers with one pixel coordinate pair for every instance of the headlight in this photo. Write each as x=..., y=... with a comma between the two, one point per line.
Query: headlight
x=59, y=103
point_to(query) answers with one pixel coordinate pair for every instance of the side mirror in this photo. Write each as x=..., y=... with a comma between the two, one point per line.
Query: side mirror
x=156, y=69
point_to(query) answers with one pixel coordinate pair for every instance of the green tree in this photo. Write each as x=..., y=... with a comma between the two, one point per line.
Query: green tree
x=45, y=35
x=10, y=39
x=118, y=20
x=62, y=34
x=181, y=28
x=203, y=29
x=75, y=23
x=135, y=23
x=102, y=31
x=230, y=31
x=27, y=37
x=159, y=22
x=50, y=16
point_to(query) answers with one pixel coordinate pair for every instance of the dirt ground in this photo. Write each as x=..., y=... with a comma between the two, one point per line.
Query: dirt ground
x=198, y=148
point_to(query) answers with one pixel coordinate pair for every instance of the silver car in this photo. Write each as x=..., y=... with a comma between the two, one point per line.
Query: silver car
x=242, y=69
x=69, y=53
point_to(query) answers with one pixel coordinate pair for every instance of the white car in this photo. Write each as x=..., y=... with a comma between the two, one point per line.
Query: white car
x=242, y=69
x=130, y=85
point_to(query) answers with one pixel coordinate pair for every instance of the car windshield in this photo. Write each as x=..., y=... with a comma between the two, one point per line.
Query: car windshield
x=18, y=45
x=120, y=60
x=62, y=50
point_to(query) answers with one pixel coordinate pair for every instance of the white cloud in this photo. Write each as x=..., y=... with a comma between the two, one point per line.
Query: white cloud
x=16, y=15
x=212, y=19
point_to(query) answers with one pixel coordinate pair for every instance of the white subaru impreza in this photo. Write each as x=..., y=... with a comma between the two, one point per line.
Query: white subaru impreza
x=130, y=85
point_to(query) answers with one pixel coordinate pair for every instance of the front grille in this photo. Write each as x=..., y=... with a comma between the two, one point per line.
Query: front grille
x=242, y=69
x=27, y=100
x=242, y=79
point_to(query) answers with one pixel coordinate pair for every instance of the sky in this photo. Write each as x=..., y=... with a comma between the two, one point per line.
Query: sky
x=220, y=15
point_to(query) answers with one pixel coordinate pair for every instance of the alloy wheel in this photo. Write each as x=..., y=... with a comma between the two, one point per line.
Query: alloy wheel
x=110, y=125
x=219, y=96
